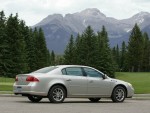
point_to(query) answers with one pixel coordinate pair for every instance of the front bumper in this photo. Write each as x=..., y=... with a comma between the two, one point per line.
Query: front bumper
x=130, y=92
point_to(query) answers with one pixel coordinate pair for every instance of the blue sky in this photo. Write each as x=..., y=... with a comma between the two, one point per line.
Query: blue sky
x=33, y=11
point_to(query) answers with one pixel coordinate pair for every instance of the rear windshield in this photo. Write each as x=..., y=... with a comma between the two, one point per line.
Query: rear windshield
x=45, y=70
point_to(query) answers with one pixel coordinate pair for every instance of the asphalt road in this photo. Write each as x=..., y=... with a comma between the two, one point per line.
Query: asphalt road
x=22, y=105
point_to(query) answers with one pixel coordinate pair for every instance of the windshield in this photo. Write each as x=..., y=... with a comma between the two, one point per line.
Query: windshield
x=45, y=70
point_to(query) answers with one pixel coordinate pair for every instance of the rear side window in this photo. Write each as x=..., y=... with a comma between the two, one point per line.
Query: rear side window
x=73, y=71
x=45, y=70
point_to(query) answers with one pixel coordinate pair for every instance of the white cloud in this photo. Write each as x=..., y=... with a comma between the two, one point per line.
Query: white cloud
x=33, y=11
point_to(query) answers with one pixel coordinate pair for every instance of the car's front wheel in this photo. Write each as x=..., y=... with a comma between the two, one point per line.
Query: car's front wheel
x=34, y=98
x=94, y=99
x=57, y=94
x=119, y=94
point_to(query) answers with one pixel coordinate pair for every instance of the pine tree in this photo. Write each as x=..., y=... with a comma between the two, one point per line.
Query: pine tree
x=4, y=60
x=80, y=50
x=35, y=50
x=76, y=49
x=48, y=58
x=30, y=49
x=118, y=56
x=135, y=50
x=105, y=61
x=40, y=48
x=52, y=58
x=146, y=53
x=24, y=32
x=69, y=54
x=123, y=57
x=113, y=53
x=149, y=57
x=16, y=46
x=89, y=47
x=85, y=48
x=59, y=60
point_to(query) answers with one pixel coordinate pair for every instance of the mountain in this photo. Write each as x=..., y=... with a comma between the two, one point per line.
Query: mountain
x=58, y=28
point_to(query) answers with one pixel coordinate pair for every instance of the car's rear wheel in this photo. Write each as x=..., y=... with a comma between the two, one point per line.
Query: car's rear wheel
x=57, y=94
x=34, y=98
x=94, y=99
x=119, y=94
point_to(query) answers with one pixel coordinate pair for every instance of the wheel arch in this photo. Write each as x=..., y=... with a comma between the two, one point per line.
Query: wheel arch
x=121, y=86
x=59, y=84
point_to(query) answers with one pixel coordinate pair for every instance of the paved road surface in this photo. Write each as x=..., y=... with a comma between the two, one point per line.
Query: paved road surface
x=22, y=105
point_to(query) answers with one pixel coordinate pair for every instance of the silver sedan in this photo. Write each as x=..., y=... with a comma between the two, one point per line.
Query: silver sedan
x=70, y=81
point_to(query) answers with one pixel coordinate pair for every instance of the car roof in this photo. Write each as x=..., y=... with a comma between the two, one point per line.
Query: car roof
x=64, y=66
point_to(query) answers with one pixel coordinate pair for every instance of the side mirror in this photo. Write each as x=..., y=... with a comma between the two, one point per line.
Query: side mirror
x=104, y=76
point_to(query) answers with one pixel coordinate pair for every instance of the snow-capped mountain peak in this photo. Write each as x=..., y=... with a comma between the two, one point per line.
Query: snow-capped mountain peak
x=92, y=12
x=142, y=14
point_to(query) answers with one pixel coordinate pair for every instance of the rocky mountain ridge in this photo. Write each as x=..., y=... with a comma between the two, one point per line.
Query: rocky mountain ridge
x=58, y=28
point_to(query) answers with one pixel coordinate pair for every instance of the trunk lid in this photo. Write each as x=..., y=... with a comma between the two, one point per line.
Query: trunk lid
x=22, y=79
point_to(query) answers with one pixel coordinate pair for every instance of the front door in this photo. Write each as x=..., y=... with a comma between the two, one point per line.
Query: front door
x=96, y=84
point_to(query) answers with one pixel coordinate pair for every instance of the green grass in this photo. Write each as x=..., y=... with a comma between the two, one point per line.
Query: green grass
x=139, y=80
x=6, y=84
x=5, y=79
x=6, y=87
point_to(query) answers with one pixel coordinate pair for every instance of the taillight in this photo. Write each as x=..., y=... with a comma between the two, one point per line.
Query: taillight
x=31, y=79
x=16, y=79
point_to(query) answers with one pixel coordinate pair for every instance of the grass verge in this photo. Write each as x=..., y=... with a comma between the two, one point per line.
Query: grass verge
x=139, y=80
x=6, y=84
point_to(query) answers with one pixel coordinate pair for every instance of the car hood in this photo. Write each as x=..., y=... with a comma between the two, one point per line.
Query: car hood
x=118, y=81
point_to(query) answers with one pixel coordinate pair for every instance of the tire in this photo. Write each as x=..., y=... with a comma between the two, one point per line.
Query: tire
x=119, y=94
x=94, y=99
x=57, y=94
x=34, y=98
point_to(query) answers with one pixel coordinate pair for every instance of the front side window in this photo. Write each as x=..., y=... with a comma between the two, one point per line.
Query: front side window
x=75, y=71
x=92, y=73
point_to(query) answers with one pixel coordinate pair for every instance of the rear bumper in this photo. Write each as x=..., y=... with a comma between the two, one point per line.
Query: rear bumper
x=30, y=89
x=25, y=93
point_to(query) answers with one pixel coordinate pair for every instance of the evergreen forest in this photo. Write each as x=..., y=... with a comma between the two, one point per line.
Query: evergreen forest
x=23, y=50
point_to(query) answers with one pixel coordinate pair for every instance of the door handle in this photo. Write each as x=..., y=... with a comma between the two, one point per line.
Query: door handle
x=91, y=81
x=68, y=80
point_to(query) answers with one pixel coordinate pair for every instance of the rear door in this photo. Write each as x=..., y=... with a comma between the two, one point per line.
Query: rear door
x=75, y=81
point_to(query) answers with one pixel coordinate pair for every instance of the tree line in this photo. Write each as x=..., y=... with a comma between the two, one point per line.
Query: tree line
x=93, y=49
x=134, y=56
x=22, y=49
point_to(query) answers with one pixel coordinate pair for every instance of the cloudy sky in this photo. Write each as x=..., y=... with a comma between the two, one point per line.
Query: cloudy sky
x=33, y=11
